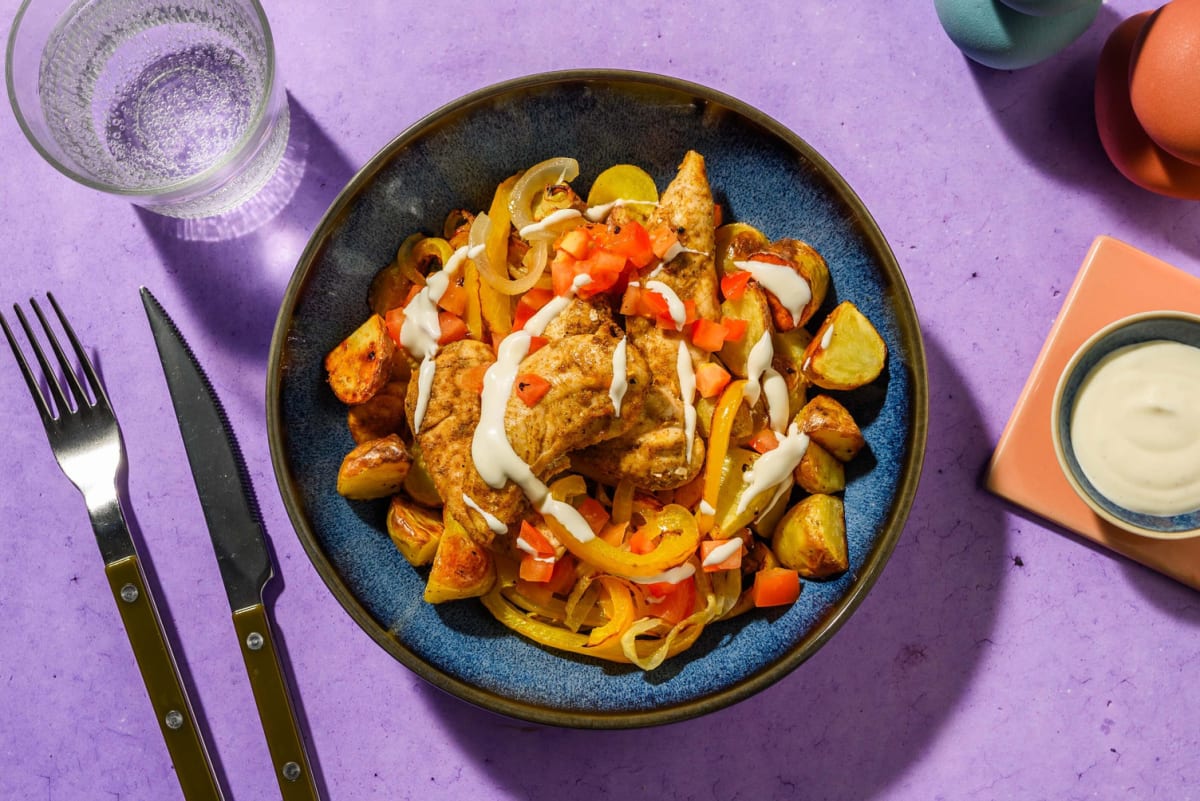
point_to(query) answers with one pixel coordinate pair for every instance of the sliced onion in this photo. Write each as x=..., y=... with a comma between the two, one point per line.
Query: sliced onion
x=500, y=281
x=533, y=181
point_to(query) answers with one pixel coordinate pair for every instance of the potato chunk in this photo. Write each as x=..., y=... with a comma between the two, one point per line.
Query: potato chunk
x=362, y=364
x=819, y=471
x=752, y=308
x=811, y=538
x=809, y=264
x=462, y=568
x=375, y=469
x=846, y=352
x=379, y=415
x=830, y=425
x=415, y=530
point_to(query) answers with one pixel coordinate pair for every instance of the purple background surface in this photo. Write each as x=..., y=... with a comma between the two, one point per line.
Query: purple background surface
x=996, y=656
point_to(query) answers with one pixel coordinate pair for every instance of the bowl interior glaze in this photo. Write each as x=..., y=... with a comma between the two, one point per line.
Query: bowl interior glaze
x=763, y=174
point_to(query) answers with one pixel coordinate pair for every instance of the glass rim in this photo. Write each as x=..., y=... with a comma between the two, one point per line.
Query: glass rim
x=163, y=191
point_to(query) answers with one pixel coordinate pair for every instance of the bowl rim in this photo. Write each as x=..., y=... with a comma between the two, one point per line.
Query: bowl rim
x=908, y=331
x=1056, y=416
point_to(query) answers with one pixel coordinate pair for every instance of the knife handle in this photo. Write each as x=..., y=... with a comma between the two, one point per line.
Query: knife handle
x=161, y=676
x=292, y=769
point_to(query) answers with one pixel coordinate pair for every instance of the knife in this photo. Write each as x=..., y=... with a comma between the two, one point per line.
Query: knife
x=231, y=511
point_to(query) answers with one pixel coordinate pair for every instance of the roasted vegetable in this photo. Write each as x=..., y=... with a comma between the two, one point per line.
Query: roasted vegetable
x=362, y=363
x=414, y=529
x=418, y=483
x=811, y=538
x=735, y=242
x=625, y=182
x=379, y=415
x=728, y=519
x=751, y=308
x=462, y=568
x=819, y=471
x=789, y=362
x=846, y=352
x=830, y=425
x=375, y=469
x=812, y=268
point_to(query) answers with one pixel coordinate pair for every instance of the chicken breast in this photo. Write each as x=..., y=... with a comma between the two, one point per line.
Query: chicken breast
x=653, y=454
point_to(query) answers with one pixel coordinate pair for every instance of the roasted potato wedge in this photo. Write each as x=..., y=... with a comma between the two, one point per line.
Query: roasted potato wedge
x=764, y=525
x=414, y=529
x=830, y=425
x=379, y=415
x=745, y=422
x=362, y=363
x=375, y=469
x=846, y=352
x=789, y=362
x=462, y=568
x=812, y=268
x=727, y=518
x=819, y=471
x=811, y=538
x=418, y=483
x=735, y=242
x=753, y=309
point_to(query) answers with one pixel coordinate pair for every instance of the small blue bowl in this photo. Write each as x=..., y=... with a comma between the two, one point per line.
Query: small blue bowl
x=763, y=174
x=1174, y=326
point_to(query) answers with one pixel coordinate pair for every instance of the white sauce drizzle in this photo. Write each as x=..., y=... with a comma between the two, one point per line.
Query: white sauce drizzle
x=543, y=226
x=675, y=306
x=788, y=286
x=493, y=522
x=600, y=212
x=687, y=392
x=421, y=330
x=529, y=549
x=827, y=337
x=757, y=363
x=722, y=552
x=774, y=467
x=775, y=388
x=492, y=453
x=677, y=249
x=706, y=508
x=672, y=576
x=616, y=390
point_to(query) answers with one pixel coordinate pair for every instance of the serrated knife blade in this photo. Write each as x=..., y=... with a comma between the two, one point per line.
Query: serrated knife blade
x=239, y=543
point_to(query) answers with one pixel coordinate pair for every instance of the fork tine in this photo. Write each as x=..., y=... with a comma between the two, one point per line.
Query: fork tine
x=38, y=398
x=84, y=362
x=56, y=390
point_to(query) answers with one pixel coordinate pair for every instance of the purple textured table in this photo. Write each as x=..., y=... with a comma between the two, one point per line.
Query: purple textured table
x=997, y=656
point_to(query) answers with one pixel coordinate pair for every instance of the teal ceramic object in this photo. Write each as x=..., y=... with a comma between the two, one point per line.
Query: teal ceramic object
x=999, y=36
x=763, y=174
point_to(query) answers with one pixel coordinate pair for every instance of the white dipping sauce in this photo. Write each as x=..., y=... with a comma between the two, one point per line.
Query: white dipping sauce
x=1135, y=427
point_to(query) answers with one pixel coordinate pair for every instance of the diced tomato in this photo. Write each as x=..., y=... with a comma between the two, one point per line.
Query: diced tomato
x=689, y=312
x=394, y=320
x=604, y=268
x=531, y=388
x=528, y=305
x=732, y=562
x=562, y=272
x=733, y=285
x=677, y=602
x=535, y=539
x=764, y=441
x=735, y=329
x=662, y=238
x=632, y=242
x=452, y=326
x=631, y=301
x=521, y=316
x=657, y=305
x=563, y=577
x=575, y=242
x=594, y=513
x=711, y=379
x=708, y=335
x=454, y=299
x=642, y=541
x=536, y=569
x=413, y=291
x=537, y=343
x=472, y=378
x=775, y=586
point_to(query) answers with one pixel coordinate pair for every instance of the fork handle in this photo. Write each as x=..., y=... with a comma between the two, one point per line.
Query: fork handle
x=161, y=676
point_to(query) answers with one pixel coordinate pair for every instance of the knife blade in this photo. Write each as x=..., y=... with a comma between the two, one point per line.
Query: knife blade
x=239, y=543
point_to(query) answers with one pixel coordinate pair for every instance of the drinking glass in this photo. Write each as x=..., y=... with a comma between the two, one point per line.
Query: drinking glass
x=174, y=105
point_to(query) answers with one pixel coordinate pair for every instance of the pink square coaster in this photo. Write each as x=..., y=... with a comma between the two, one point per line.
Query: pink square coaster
x=1116, y=280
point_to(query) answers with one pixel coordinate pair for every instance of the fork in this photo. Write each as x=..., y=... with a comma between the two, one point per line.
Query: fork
x=86, y=441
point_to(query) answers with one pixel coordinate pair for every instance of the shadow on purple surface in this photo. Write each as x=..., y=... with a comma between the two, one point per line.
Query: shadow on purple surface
x=237, y=284
x=855, y=717
x=1047, y=111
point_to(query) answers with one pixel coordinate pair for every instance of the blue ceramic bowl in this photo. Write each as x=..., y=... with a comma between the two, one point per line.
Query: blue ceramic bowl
x=1164, y=325
x=764, y=175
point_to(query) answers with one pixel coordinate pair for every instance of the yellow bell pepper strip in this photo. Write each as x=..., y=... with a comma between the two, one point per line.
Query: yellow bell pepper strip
x=497, y=306
x=617, y=601
x=718, y=446
x=473, y=316
x=679, y=538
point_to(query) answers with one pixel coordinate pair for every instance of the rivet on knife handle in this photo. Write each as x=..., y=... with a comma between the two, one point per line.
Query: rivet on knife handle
x=292, y=769
x=161, y=676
